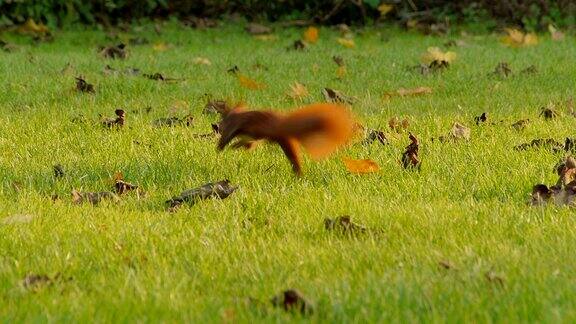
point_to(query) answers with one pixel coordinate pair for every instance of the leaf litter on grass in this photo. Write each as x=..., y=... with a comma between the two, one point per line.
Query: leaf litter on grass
x=221, y=190
x=410, y=159
x=563, y=193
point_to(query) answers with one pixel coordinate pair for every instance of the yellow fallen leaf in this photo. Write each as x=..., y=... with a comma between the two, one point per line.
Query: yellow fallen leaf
x=160, y=47
x=385, y=8
x=298, y=91
x=311, y=35
x=201, y=61
x=434, y=54
x=248, y=83
x=348, y=43
x=516, y=38
x=361, y=166
x=555, y=33
x=31, y=27
x=341, y=72
x=266, y=37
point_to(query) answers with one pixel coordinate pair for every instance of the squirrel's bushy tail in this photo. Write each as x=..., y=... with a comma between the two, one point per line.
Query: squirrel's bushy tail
x=320, y=128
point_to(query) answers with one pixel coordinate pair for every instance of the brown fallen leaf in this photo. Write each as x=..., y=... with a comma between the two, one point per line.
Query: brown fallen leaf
x=311, y=35
x=93, y=198
x=257, y=29
x=459, y=131
x=331, y=95
x=410, y=158
x=298, y=91
x=361, y=166
x=292, y=300
x=516, y=38
x=248, y=83
x=121, y=187
x=398, y=126
x=502, y=70
x=221, y=190
x=563, y=193
x=338, y=60
x=298, y=45
x=117, y=122
x=113, y=51
x=375, y=135
x=58, y=171
x=187, y=120
x=216, y=107
x=548, y=113
x=548, y=143
x=344, y=225
x=434, y=57
x=481, y=119
x=83, y=86
x=521, y=124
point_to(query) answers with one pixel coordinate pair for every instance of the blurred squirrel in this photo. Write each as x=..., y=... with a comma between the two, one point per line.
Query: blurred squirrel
x=320, y=128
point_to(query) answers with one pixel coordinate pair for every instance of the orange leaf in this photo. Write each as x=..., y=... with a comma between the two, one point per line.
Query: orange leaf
x=348, y=43
x=246, y=82
x=311, y=35
x=361, y=166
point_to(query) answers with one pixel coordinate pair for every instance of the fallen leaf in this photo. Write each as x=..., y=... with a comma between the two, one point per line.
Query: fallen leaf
x=516, y=38
x=298, y=91
x=93, y=198
x=548, y=113
x=385, y=8
x=459, y=131
x=338, y=60
x=375, y=135
x=336, y=96
x=117, y=122
x=521, y=124
x=248, y=83
x=31, y=27
x=548, y=143
x=481, y=119
x=555, y=33
x=311, y=35
x=344, y=225
x=410, y=158
x=83, y=86
x=121, y=187
x=58, y=171
x=398, y=126
x=257, y=29
x=35, y=281
x=502, y=70
x=201, y=61
x=348, y=43
x=160, y=47
x=114, y=51
x=361, y=166
x=402, y=92
x=435, y=57
x=160, y=77
x=221, y=190
x=216, y=107
x=292, y=300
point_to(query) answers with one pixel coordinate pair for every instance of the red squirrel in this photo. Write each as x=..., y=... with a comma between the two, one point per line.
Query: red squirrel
x=320, y=128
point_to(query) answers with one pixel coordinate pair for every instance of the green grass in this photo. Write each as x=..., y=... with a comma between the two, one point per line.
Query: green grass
x=134, y=261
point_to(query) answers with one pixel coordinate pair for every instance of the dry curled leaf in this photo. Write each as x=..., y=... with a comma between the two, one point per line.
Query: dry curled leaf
x=221, y=190
x=336, y=96
x=397, y=125
x=548, y=113
x=361, y=166
x=83, y=86
x=375, y=135
x=516, y=38
x=117, y=122
x=298, y=91
x=248, y=83
x=435, y=57
x=481, y=119
x=348, y=43
x=121, y=187
x=311, y=35
x=93, y=198
x=114, y=51
x=410, y=159
x=292, y=300
x=459, y=131
x=343, y=225
x=563, y=193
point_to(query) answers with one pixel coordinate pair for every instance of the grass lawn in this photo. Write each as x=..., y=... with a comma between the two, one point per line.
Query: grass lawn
x=135, y=261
